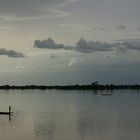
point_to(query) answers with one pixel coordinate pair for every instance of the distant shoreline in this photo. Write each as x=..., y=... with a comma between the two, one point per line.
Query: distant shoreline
x=93, y=86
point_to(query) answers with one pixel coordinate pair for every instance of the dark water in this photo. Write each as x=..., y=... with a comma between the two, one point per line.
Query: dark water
x=70, y=115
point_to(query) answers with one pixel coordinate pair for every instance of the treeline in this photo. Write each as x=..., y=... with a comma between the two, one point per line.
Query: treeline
x=93, y=86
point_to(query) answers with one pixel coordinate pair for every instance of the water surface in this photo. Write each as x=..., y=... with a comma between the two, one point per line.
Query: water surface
x=70, y=115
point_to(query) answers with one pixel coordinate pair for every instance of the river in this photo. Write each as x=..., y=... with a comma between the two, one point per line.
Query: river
x=70, y=115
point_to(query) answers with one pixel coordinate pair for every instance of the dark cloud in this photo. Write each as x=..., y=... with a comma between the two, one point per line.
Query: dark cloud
x=28, y=9
x=129, y=44
x=132, y=44
x=81, y=46
x=11, y=53
x=49, y=44
x=120, y=49
x=119, y=46
x=85, y=46
x=120, y=27
x=68, y=47
x=91, y=46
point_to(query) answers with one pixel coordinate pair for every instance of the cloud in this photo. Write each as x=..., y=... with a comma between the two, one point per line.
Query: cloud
x=11, y=53
x=120, y=27
x=19, y=67
x=119, y=46
x=91, y=46
x=10, y=69
x=68, y=47
x=31, y=9
x=75, y=26
x=85, y=46
x=73, y=61
x=120, y=49
x=99, y=28
x=49, y=44
x=132, y=44
x=81, y=46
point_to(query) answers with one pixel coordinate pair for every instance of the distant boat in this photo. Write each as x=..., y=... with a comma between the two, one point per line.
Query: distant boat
x=106, y=94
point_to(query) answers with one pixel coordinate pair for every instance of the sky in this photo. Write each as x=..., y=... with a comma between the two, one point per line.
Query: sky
x=60, y=42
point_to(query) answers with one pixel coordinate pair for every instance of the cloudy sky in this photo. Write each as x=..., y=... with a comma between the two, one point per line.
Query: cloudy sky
x=69, y=41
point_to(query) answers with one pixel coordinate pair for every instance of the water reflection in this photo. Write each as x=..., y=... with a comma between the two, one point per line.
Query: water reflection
x=45, y=127
x=85, y=127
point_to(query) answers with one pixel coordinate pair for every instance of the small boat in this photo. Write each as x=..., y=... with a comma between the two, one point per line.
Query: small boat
x=9, y=113
x=6, y=113
x=106, y=94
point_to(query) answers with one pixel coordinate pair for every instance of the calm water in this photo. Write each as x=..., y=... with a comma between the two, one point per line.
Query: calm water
x=70, y=115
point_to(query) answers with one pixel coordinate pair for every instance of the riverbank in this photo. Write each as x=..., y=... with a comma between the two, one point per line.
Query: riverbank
x=72, y=87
